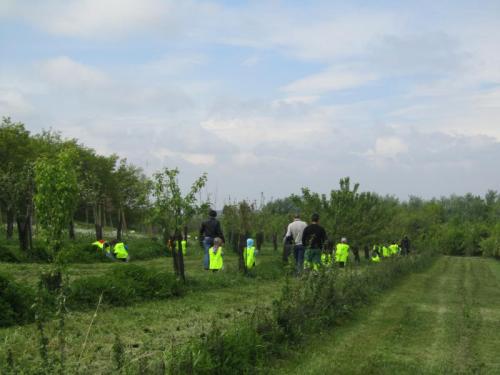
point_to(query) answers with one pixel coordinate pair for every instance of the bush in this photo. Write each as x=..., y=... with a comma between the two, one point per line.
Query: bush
x=15, y=302
x=7, y=255
x=317, y=301
x=122, y=285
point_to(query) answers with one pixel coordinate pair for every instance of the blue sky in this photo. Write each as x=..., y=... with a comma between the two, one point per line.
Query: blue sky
x=267, y=96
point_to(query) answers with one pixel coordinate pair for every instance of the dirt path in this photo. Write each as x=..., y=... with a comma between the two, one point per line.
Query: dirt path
x=443, y=321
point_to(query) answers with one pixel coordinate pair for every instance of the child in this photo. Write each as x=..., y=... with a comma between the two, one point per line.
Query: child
x=215, y=253
x=249, y=254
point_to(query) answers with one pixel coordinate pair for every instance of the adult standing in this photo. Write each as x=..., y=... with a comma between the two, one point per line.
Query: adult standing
x=314, y=238
x=209, y=230
x=405, y=245
x=294, y=231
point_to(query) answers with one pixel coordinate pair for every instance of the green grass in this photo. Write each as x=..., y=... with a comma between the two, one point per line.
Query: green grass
x=225, y=297
x=445, y=320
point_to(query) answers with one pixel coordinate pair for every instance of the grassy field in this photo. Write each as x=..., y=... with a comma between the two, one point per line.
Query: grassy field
x=149, y=326
x=445, y=320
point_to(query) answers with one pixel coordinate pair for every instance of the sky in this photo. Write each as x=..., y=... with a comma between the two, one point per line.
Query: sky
x=267, y=96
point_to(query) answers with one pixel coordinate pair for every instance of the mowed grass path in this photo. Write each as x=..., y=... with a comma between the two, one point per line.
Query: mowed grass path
x=443, y=321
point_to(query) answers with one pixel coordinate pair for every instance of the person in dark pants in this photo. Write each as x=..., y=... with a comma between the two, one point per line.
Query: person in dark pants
x=367, y=252
x=314, y=238
x=405, y=245
x=355, y=251
x=287, y=248
x=295, y=230
x=209, y=230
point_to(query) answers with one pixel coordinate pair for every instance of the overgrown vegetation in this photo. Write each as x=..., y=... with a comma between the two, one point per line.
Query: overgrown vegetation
x=321, y=300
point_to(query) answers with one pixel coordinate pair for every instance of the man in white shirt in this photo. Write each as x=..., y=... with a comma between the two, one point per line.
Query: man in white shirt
x=295, y=230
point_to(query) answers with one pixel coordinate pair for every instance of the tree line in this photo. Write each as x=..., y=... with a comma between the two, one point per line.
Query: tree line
x=110, y=191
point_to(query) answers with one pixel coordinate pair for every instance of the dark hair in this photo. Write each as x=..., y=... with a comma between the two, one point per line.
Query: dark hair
x=212, y=213
x=314, y=217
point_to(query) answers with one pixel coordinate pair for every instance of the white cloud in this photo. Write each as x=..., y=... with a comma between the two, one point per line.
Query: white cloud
x=93, y=18
x=388, y=147
x=294, y=100
x=334, y=79
x=65, y=72
x=201, y=159
x=13, y=103
x=251, y=61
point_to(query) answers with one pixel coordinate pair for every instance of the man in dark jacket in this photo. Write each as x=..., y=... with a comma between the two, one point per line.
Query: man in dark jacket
x=209, y=230
x=314, y=238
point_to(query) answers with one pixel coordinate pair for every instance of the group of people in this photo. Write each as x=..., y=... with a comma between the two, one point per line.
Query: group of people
x=312, y=249
x=211, y=239
x=115, y=250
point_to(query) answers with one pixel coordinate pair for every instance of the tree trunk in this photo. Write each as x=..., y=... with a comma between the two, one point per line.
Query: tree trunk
x=259, y=239
x=71, y=230
x=23, y=232
x=174, y=256
x=124, y=222
x=180, y=258
x=10, y=223
x=97, y=221
x=275, y=241
x=110, y=220
x=119, y=226
x=86, y=214
x=241, y=260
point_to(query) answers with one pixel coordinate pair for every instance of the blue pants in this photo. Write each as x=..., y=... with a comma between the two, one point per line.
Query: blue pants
x=298, y=253
x=207, y=244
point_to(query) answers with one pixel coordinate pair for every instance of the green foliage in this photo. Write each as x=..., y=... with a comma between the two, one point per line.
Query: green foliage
x=122, y=285
x=55, y=198
x=172, y=211
x=318, y=301
x=8, y=255
x=15, y=302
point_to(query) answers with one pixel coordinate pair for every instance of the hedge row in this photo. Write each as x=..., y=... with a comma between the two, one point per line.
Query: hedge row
x=318, y=301
x=122, y=285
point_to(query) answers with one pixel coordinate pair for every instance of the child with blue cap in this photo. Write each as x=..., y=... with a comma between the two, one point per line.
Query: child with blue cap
x=249, y=254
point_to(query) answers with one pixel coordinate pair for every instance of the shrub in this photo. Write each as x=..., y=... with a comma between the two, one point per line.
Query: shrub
x=317, y=301
x=122, y=285
x=15, y=302
x=7, y=255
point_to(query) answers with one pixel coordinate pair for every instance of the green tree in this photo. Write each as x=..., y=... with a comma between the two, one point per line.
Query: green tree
x=130, y=192
x=56, y=196
x=172, y=210
x=16, y=179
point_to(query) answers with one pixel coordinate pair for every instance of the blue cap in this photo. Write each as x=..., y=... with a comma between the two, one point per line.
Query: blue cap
x=249, y=242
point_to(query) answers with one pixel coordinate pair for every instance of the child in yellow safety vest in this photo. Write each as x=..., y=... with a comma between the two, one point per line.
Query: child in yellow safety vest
x=342, y=252
x=375, y=255
x=249, y=254
x=104, y=246
x=183, y=246
x=121, y=251
x=216, y=262
x=386, y=253
x=394, y=249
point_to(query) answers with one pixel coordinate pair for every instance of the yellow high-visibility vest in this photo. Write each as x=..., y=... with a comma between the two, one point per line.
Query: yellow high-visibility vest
x=120, y=251
x=375, y=258
x=342, y=252
x=99, y=244
x=249, y=257
x=386, y=252
x=394, y=249
x=183, y=246
x=216, y=261
x=326, y=259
